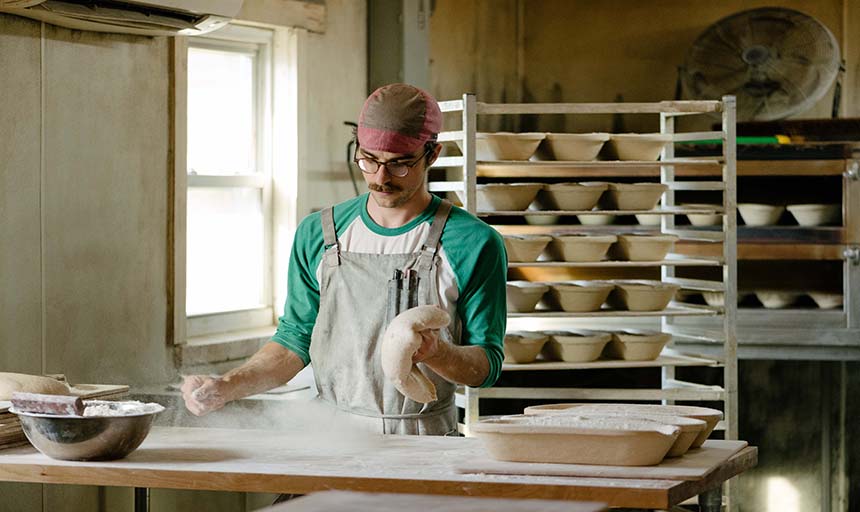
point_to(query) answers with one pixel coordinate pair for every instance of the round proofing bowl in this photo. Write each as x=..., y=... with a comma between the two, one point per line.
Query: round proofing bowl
x=815, y=214
x=595, y=219
x=523, y=347
x=576, y=346
x=826, y=300
x=506, y=196
x=702, y=219
x=506, y=146
x=571, y=196
x=635, y=345
x=755, y=214
x=580, y=247
x=580, y=296
x=648, y=219
x=523, y=296
x=634, y=196
x=522, y=248
x=635, y=247
x=86, y=438
x=575, y=146
x=639, y=146
x=642, y=295
x=773, y=299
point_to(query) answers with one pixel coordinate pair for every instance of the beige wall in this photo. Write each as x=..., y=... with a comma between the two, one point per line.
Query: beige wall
x=83, y=208
x=84, y=173
x=588, y=51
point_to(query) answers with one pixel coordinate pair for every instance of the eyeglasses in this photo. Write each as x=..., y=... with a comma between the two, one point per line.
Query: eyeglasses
x=398, y=169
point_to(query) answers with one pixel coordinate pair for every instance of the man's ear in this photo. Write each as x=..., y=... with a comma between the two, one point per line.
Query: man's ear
x=434, y=155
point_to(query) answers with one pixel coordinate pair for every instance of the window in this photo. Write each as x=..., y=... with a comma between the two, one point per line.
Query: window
x=229, y=196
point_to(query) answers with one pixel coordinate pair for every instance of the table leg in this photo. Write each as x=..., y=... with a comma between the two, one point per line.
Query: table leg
x=141, y=499
x=711, y=500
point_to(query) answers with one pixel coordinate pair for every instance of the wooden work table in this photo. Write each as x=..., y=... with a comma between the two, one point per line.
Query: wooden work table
x=283, y=462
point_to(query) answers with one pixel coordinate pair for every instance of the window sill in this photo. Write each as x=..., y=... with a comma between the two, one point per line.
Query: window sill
x=222, y=347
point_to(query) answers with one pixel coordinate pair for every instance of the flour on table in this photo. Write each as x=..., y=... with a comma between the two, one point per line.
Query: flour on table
x=126, y=408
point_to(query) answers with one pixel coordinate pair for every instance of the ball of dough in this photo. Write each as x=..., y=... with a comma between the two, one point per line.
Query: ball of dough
x=12, y=382
x=401, y=341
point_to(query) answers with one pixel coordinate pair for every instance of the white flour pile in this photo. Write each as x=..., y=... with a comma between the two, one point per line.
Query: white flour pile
x=128, y=408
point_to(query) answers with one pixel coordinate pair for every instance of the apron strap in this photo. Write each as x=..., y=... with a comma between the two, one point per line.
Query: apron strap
x=431, y=244
x=332, y=245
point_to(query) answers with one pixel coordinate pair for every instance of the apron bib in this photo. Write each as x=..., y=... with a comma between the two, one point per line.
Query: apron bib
x=357, y=300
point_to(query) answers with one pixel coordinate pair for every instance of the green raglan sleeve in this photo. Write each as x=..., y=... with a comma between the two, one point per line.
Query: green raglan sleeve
x=482, y=304
x=303, y=293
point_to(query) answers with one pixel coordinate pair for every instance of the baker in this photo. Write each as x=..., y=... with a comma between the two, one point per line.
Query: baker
x=346, y=259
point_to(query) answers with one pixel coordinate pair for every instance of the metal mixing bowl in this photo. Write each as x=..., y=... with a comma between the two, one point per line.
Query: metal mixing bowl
x=86, y=438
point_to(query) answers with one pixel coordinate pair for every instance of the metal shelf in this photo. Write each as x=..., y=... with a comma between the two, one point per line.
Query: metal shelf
x=674, y=309
x=720, y=243
x=673, y=390
x=676, y=210
x=677, y=260
x=667, y=358
x=683, y=168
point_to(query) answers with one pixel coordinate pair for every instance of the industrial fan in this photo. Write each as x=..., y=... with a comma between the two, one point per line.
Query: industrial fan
x=778, y=62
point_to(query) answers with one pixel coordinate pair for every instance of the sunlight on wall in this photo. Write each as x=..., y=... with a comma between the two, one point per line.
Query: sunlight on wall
x=781, y=495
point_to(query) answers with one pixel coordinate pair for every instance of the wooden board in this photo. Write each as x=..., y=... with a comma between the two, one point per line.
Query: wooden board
x=319, y=458
x=344, y=501
x=85, y=391
x=695, y=465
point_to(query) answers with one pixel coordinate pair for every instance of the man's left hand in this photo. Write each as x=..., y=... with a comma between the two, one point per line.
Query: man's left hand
x=432, y=346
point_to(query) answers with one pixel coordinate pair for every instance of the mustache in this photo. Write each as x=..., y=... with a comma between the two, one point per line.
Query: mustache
x=384, y=188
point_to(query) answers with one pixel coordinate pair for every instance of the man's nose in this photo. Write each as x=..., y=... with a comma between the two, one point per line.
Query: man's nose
x=382, y=177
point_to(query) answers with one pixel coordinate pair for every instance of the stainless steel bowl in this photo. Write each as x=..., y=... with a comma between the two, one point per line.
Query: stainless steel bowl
x=86, y=438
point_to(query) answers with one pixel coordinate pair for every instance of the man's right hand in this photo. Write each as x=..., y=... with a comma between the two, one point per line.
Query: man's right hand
x=203, y=394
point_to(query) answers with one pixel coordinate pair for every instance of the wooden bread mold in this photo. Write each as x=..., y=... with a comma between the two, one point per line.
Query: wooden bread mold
x=710, y=416
x=616, y=441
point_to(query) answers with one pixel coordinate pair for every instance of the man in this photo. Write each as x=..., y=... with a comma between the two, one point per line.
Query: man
x=343, y=258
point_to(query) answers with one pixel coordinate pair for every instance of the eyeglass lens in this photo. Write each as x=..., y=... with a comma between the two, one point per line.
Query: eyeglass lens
x=370, y=166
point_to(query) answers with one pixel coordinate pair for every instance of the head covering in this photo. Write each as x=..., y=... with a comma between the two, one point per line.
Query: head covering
x=398, y=118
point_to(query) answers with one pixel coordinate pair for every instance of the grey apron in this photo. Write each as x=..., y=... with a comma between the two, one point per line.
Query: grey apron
x=354, y=311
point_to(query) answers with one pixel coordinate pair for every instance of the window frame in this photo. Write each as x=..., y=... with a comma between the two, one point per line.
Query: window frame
x=260, y=42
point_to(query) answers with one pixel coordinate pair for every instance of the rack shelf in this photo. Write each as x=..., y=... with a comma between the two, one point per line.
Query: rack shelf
x=683, y=168
x=678, y=210
x=721, y=244
x=678, y=260
x=674, y=309
x=668, y=358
